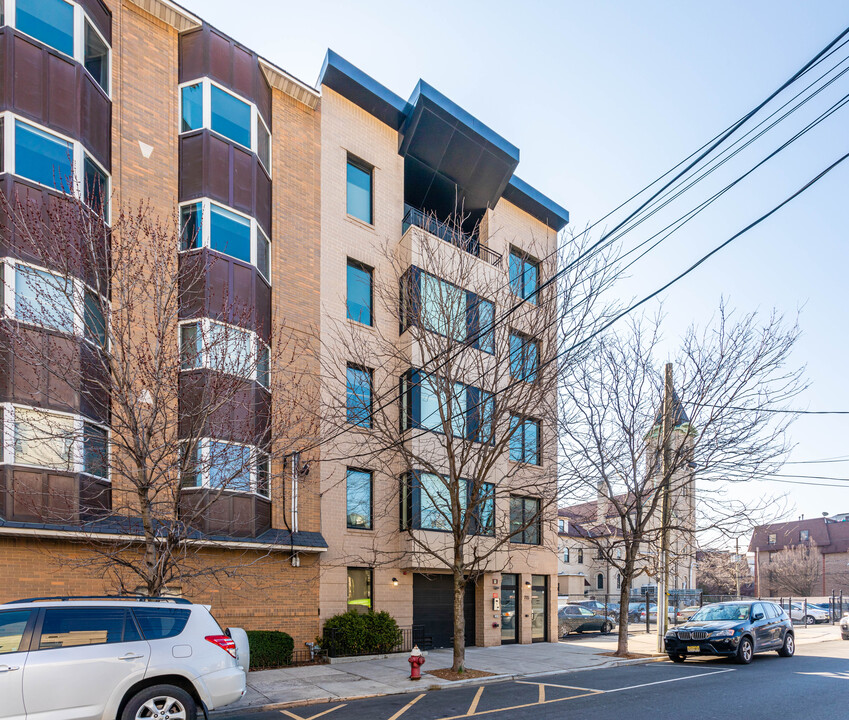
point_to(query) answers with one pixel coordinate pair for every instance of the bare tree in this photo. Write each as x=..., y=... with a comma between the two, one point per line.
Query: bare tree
x=720, y=572
x=472, y=440
x=181, y=406
x=795, y=570
x=616, y=446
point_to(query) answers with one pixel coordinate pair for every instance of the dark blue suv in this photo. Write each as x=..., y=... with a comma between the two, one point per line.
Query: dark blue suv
x=735, y=629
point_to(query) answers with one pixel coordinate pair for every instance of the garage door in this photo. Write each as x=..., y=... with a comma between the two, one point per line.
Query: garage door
x=433, y=608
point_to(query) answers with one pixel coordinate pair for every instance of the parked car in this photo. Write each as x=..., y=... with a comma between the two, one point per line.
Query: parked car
x=634, y=610
x=599, y=608
x=844, y=626
x=653, y=614
x=575, y=618
x=117, y=659
x=734, y=629
x=684, y=614
x=810, y=615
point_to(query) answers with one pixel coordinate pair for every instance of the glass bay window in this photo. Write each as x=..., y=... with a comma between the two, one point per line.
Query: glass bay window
x=206, y=343
x=223, y=465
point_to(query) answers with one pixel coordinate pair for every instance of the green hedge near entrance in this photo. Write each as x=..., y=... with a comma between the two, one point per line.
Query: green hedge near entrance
x=354, y=633
x=270, y=649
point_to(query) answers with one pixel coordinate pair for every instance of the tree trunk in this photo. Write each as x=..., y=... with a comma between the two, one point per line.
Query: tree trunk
x=459, y=622
x=624, y=596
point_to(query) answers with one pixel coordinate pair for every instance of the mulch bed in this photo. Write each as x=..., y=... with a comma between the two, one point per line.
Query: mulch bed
x=449, y=674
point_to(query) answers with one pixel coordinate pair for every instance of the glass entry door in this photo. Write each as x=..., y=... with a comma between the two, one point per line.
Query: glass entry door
x=509, y=609
x=539, y=608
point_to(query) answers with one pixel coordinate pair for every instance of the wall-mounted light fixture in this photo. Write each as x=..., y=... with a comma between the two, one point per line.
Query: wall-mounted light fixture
x=527, y=584
x=395, y=582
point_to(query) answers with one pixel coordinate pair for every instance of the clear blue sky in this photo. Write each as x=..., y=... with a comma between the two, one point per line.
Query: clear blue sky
x=603, y=97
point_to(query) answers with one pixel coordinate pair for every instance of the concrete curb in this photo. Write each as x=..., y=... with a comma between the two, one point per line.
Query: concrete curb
x=428, y=688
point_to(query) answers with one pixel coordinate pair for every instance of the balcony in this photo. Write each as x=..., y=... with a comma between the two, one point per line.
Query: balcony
x=467, y=242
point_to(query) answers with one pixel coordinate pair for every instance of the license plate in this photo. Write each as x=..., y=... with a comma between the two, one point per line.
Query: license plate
x=692, y=648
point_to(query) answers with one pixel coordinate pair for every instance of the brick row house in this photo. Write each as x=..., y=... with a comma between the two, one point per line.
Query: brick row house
x=291, y=191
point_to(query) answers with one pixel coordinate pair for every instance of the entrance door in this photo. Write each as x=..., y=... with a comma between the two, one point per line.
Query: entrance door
x=509, y=609
x=433, y=609
x=539, y=608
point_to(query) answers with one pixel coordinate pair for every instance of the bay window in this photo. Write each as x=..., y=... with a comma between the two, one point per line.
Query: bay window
x=206, y=343
x=426, y=504
x=223, y=465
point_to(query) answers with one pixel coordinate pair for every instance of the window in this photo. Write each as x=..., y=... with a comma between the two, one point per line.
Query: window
x=12, y=626
x=524, y=442
x=95, y=187
x=359, y=181
x=482, y=325
x=359, y=491
x=524, y=275
x=43, y=157
x=618, y=581
x=45, y=299
x=435, y=502
x=95, y=450
x=618, y=553
x=599, y=554
x=358, y=396
x=50, y=21
x=429, y=402
x=225, y=348
x=205, y=104
x=426, y=503
x=561, y=526
x=580, y=556
x=71, y=627
x=443, y=307
x=804, y=535
x=44, y=439
x=95, y=323
x=96, y=58
x=599, y=581
x=524, y=357
x=359, y=292
x=565, y=555
x=359, y=589
x=161, y=623
x=771, y=539
x=207, y=224
x=524, y=520
x=228, y=466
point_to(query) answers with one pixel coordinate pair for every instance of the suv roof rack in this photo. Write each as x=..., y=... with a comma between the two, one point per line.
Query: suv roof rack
x=65, y=598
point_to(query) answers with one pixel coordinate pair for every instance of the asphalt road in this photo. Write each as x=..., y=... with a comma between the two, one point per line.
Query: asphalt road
x=812, y=684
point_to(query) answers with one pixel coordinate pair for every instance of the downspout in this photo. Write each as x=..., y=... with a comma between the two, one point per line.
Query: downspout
x=296, y=460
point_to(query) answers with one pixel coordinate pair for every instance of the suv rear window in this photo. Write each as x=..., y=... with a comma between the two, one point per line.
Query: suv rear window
x=69, y=627
x=160, y=623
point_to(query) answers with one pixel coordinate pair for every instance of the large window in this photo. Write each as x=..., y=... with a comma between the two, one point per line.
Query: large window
x=359, y=589
x=228, y=466
x=426, y=503
x=441, y=307
x=524, y=357
x=226, y=348
x=524, y=442
x=95, y=450
x=204, y=223
x=524, y=520
x=45, y=299
x=57, y=23
x=358, y=395
x=44, y=439
x=524, y=275
x=205, y=104
x=359, y=182
x=359, y=498
x=360, y=295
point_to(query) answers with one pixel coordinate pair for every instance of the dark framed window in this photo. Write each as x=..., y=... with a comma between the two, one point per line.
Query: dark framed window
x=95, y=450
x=358, y=396
x=426, y=503
x=96, y=57
x=263, y=474
x=191, y=235
x=524, y=275
x=524, y=357
x=360, y=200
x=95, y=323
x=803, y=536
x=360, y=582
x=771, y=539
x=360, y=293
x=43, y=157
x=565, y=555
x=481, y=324
x=50, y=21
x=524, y=520
x=70, y=627
x=580, y=556
x=525, y=440
x=599, y=583
x=96, y=188
x=359, y=484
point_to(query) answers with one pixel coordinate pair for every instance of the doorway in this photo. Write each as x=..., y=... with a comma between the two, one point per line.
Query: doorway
x=509, y=609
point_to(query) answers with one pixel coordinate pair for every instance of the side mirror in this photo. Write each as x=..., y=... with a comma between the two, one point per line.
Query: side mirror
x=758, y=616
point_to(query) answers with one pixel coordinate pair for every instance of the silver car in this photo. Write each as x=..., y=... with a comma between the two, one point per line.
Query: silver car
x=116, y=659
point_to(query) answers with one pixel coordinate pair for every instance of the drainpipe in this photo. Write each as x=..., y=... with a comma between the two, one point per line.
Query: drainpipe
x=296, y=461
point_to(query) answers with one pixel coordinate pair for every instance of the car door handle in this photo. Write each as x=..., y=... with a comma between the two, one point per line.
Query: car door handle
x=130, y=656
x=9, y=668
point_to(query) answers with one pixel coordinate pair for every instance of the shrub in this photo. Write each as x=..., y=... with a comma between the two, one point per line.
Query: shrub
x=270, y=649
x=353, y=633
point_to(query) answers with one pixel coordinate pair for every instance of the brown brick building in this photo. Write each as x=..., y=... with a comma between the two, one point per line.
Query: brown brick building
x=161, y=107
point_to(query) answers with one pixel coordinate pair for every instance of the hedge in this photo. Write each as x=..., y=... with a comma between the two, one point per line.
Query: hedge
x=270, y=649
x=354, y=633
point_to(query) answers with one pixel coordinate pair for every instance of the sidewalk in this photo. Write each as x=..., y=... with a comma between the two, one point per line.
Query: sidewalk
x=390, y=675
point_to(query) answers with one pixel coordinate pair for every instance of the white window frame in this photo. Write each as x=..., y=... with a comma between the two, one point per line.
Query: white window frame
x=77, y=465
x=79, y=153
x=204, y=361
x=203, y=447
x=206, y=94
x=80, y=17
x=206, y=232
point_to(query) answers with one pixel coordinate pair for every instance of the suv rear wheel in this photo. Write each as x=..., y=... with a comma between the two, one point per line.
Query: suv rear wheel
x=160, y=702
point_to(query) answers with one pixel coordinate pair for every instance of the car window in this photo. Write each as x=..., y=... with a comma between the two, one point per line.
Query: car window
x=70, y=627
x=758, y=608
x=570, y=611
x=161, y=623
x=586, y=612
x=770, y=611
x=722, y=612
x=779, y=611
x=12, y=626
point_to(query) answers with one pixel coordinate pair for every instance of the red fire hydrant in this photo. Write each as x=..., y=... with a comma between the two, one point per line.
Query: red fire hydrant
x=416, y=661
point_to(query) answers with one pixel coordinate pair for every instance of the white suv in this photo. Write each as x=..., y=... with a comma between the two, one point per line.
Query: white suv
x=116, y=659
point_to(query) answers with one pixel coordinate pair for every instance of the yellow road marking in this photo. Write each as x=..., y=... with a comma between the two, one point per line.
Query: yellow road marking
x=541, y=693
x=312, y=717
x=475, y=700
x=567, y=687
x=520, y=707
x=405, y=708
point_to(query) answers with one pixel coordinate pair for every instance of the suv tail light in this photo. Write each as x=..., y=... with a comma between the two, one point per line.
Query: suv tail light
x=225, y=643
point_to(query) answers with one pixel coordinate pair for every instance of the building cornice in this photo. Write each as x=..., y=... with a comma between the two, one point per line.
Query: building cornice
x=170, y=13
x=279, y=79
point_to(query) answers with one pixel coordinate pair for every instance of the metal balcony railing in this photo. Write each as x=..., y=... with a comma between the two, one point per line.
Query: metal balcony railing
x=470, y=243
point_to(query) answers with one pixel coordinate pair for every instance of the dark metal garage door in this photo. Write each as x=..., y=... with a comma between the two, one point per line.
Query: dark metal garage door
x=433, y=608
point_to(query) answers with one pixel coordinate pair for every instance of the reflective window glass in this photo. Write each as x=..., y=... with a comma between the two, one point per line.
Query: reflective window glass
x=229, y=466
x=358, y=487
x=263, y=254
x=161, y=623
x=96, y=187
x=95, y=450
x=51, y=21
x=96, y=56
x=45, y=299
x=229, y=233
x=231, y=117
x=359, y=191
x=191, y=235
x=43, y=157
x=190, y=346
x=263, y=144
x=44, y=439
x=192, y=107
x=359, y=292
x=71, y=627
x=95, y=324
x=359, y=589
x=12, y=626
x=358, y=396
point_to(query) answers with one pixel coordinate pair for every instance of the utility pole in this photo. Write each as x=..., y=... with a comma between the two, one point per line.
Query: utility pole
x=665, y=434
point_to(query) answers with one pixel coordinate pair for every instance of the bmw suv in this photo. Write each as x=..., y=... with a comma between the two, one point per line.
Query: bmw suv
x=735, y=629
x=117, y=659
